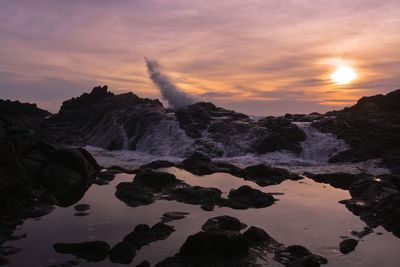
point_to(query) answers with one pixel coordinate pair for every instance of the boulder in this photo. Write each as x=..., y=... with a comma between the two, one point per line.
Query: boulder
x=223, y=224
x=246, y=197
x=348, y=245
x=90, y=251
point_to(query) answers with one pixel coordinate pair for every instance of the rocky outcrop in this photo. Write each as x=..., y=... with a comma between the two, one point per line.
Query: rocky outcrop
x=371, y=128
x=90, y=251
x=103, y=119
x=222, y=244
x=23, y=114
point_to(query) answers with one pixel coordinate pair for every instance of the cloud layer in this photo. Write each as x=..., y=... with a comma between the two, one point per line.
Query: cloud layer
x=260, y=57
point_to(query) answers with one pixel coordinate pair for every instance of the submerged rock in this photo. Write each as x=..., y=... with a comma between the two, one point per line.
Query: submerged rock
x=90, y=251
x=223, y=224
x=348, y=245
x=173, y=215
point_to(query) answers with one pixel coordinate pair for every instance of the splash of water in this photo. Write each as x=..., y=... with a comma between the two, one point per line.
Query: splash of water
x=169, y=92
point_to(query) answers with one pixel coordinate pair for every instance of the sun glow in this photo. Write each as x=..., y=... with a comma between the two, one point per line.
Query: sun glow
x=343, y=75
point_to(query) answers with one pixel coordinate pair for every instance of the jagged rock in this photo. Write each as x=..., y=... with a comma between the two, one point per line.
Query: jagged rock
x=264, y=175
x=156, y=180
x=222, y=224
x=363, y=125
x=133, y=194
x=157, y=164
x=298, y=256
x=123, y=253
x=348, y=245
x=255, y=236
x=246, y=197
x=90, y=251
x=337, y=180
x=174, y=215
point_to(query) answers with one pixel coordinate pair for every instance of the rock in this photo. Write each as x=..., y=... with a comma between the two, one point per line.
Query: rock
x=3, y=260
x=134, y=195
x=108, y=175
x=213, y=248
x=264, y=175
x=174, y=215
x=348, y=245
x=157, y=164
x=223, y=224
x=298, y=256
x=144, y=235
x=123, y=253
x=255, y=236
x=143, y=264
x=156, y=180
x=90, y=251
x=7, y=250
x=246, y=197
x=197, y=195
x=198, y=164
x=361, y=234
x=337, y=180
x=82, y=207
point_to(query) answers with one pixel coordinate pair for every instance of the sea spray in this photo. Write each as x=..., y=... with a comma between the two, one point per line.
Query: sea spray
x=169, y=92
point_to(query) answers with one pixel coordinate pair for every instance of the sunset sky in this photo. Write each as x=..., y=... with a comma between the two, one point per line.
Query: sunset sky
x=264, y=57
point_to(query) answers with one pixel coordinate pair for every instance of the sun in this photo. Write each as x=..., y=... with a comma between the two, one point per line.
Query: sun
x=343, y=75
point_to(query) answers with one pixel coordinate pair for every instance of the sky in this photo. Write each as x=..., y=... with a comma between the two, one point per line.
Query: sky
x=260, y=57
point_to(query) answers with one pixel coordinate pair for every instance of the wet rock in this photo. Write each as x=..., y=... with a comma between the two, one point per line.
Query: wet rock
x=157, y=164
x=255, y=236
x=123, y=253
x=144, y=235
x=81, y=214
x=134, y=195
x=108, y=175
x=82, y=207
x=143, y=264
x=223, y=224
x=100, y=182
x=36, y=211
x=90, y=251
x=361, y=234
x=337, y=180
x=298, y=256
x=207, y=207
x=246, y=197
x=156, y=180
x=7, y=250
x=198, y=164
x=348, y=245
x=265, y=175
x=197, y=195
x=213, y=248
x=173, y=215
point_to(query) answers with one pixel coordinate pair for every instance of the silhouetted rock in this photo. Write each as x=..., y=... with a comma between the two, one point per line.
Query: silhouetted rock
x=371, y=128
x=255, y=236
x=246, y=197
x=157, y=164
x=337, y=180
x=348, y=245
x=265, y=175
x=143, y=264
x=298, y=256
x=123, y=253
x=174, y=215
x=223, y=224
x=82, y=207
x=197, y=195
x=90, y=251
x=133, y=194
x=156, y=180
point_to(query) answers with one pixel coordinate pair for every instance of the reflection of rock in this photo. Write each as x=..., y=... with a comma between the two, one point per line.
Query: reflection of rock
x=337, y=180
x=348, y=245
x=81, y=207
x=90, y=251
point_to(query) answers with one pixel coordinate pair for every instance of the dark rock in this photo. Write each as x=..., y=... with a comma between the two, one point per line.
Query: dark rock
x=348, y=245
x=7, y=250
x=123, y=253
x=174, y=215
x=207, y=207
x=81, y=207
x=158, y=164
x=143, y=264
x=90, y=251
x=144, y=235
x=156, y=180
x=162, y=231
x=197, y=195
x=298, y=256
x=264, y=175
x=223, y=224
x=81, y=214
x=337, y=180
x=361, y=234
x=12, y=109
x=246, y=197
x=214, y=249
x=134, y=195
x=3, y=260
x=255, y=236
x=107, y=175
